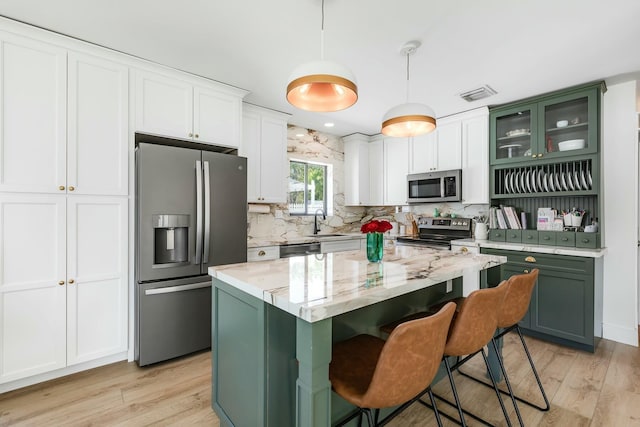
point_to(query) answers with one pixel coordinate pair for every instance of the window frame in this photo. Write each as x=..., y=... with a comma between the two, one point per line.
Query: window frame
x=306, y=165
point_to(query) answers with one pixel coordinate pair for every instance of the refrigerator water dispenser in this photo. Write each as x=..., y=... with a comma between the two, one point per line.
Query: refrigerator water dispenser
x=171, y=240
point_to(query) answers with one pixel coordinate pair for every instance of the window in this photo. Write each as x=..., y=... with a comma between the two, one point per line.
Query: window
x=307, y=187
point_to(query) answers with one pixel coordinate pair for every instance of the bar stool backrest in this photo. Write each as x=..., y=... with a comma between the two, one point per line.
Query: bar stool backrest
x=409, y=360
x=476, y=321
x=517, y=298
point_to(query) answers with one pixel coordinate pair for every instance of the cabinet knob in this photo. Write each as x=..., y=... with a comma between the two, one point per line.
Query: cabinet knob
x=197, y=136
x=525, y=270
x=61, y=282
x=530, y=259
x=71, y=188
x=262, y=253
x=585, y=240
x=464, y=250
x=61, y=188
x=534, y=156
x=539, y=155
x=190, y=135
x=71, y=282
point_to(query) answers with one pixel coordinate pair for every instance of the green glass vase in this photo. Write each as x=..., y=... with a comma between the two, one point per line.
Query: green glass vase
x=375, y=247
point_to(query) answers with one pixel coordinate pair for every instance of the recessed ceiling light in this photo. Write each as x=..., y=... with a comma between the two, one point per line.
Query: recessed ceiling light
x=328, y=125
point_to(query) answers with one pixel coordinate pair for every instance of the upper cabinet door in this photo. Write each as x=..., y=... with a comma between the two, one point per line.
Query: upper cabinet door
x=423, y=153
x=251, y=137
x=98, y=126
x=217, y=117
x=475, y=160
x=164, y=106
x=396, y=167
x=273, y=153
x=450, y=146
x=33, y=98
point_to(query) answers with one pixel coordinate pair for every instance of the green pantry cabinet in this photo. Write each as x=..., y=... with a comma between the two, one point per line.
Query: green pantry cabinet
x=566, y=305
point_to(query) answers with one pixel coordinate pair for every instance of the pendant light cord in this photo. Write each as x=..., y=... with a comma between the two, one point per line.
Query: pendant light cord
x=408, y=54
x=322, y=34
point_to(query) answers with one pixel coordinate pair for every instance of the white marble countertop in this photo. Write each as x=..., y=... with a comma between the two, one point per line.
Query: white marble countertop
x=523, y=247
x=277, y=241
x=317, y=287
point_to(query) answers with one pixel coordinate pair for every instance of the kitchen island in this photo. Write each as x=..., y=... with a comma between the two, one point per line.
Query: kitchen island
x=274, y=323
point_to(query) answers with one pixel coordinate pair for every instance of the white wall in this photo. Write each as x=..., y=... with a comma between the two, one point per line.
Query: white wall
x=620, y=199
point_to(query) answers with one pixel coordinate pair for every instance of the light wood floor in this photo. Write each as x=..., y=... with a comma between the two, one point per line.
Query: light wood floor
x=601, y=389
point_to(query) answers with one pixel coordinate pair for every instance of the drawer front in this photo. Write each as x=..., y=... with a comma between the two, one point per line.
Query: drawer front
x=264, y=253
x=547, y=237
x=530, y=236
x=588, y=240
x=566, y=238
x=340, y=245
x=528, y=260
x=464, y=249
x=497, y=235
x=514, y=236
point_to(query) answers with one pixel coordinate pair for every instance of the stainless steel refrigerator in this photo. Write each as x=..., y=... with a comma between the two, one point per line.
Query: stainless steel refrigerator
x=191, y=213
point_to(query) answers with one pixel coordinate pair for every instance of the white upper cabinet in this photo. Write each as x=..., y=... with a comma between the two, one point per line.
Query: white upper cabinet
x=356, y=170
x=377, y=172
x=97, y=136
x=475, y=158
x=33, y=115
x=438, y=150
x=171, y=106
x=264, y=144
x=396, y=167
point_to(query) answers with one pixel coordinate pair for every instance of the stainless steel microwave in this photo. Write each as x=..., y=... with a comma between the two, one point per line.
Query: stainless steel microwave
x=432, y=187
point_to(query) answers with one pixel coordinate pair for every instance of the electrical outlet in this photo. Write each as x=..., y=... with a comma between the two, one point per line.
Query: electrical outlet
x=449, y=286
x=279, y=214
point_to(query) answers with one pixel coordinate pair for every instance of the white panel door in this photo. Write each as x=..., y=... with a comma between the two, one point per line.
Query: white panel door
x=216, y=117
x=423, y=153
x=273, y=157
x=449, y=146
x=33, y=97
x=32, y=285
x=164, y=106
x=396, y=167
x=97, y=265
x=376, y=173
x=98, y=126
x=475, y=160
x=251, y=150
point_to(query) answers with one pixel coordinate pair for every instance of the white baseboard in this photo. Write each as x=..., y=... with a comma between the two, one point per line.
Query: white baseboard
x=621, y=334
x=24, y=382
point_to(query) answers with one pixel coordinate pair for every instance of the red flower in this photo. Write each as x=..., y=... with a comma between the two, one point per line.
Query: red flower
x=375, y=226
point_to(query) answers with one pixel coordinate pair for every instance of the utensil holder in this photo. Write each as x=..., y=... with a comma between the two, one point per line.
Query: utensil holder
x=571, y=220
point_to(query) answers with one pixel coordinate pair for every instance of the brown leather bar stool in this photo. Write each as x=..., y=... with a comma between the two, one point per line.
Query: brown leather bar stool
x=515, y=306
x=472, y=328
x=372, y=373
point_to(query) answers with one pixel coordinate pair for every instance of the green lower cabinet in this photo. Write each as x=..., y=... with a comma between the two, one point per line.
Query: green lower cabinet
x=562, y=307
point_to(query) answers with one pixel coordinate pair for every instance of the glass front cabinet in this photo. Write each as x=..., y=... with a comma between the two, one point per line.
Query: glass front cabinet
x=559, y=125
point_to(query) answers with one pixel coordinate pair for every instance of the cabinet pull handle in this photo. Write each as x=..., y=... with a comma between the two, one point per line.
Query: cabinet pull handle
x=546, y=238
x=197, y=136
x=539, y=155
x=525, y=270
x=61, y=282
x=262, y=253
x=530, y=259
x=564, y=239
x=585, y=240
x=534, y=156
x=529, y=236
x=61, y=188
x=71, y=188
x=71, y=282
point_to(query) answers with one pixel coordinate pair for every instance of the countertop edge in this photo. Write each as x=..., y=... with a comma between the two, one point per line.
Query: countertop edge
x=521, y=247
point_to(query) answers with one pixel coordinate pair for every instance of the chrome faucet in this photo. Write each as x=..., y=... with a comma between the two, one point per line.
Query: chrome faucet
x=316, y=229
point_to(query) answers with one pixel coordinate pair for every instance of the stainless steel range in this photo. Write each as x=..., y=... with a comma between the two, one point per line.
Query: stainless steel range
x=437, y=233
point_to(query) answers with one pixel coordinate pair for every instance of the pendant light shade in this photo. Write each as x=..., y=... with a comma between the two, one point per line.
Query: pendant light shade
x=322, y=85
x=409, y=119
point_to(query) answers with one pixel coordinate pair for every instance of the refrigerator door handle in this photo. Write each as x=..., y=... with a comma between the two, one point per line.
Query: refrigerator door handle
x=207, y=212
x=174, y=289
x=198, y=259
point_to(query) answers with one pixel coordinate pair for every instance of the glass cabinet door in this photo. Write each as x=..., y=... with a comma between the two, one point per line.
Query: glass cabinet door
x=569, y=125
x=514, y=134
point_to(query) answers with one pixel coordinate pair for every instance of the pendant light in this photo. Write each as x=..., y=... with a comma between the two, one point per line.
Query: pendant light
x=322, y=85
x=409, y=119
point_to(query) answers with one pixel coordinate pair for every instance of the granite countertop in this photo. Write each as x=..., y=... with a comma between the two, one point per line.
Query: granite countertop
x=317, y=287
x=277, y=241
x=523, y=247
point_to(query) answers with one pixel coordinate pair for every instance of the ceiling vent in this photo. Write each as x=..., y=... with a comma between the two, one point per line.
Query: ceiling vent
x=479, y=93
